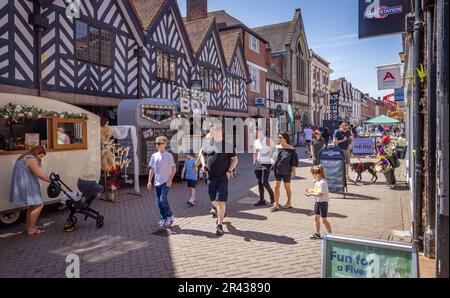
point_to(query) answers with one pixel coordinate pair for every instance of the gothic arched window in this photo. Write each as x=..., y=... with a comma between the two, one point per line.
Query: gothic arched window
x=301, y=68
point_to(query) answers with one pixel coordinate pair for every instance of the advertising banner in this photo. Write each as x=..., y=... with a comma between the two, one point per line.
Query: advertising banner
x=382, y=17
x=351, y=257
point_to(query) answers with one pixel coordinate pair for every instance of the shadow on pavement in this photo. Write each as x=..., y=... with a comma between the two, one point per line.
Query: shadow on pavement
x=310, y=213
x=352, y=196
x=259, y=236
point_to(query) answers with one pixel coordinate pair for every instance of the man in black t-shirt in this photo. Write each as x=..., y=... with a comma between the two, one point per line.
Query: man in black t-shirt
x=219, y=160
x=343, y=139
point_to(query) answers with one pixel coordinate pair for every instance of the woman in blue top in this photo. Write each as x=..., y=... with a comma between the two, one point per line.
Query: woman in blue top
x=190, y=173
x=25, y=189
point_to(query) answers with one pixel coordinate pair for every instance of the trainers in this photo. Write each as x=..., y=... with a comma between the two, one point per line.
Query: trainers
x=213, y=212
x=169, y=222
x=191, y=203
x=260, y=203
x=315, y=236
x=162, y=223
x=219, y=230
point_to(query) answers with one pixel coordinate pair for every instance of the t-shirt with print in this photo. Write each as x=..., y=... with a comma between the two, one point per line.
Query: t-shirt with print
x=162, y=164
x=321, y=186
x=191, y=173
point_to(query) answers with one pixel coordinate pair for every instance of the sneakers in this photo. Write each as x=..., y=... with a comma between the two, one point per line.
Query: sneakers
x=162, y=223
x=219, y=230
x=315, y=236
x=169, y=222
x=191, y=203
x=213, y=212
x=260, y=203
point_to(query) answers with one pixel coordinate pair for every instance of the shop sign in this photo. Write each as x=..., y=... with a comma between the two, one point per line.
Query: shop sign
x=382, y=17
x=157, y=114
x=351, y=257
x=334, y=106
x=194, y=101
x=389, y=77
x=279, y=96
x=362, y=146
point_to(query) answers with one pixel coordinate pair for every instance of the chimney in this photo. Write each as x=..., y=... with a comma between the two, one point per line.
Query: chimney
x=268, y=56
x=196, y=10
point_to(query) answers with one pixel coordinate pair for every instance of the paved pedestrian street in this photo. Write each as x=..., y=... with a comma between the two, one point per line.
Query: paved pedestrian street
x=257, y=243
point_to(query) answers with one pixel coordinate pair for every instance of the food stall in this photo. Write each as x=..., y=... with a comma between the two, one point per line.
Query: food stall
x=152, y=118
x=70, y=134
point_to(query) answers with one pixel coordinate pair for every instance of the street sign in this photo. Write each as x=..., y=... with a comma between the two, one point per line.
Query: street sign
x=260, y=102
x=333, y=160
x=362, y=146
x=352, y=257
x=382, y=17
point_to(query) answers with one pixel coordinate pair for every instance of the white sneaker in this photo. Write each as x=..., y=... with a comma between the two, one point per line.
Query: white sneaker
x=162, y=223
x=191, y=202
x=169, y=222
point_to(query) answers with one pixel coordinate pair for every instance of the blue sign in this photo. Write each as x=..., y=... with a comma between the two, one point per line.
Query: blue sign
x=363, y=146
x=260, y=102
x=333, y=160
x=400, y=94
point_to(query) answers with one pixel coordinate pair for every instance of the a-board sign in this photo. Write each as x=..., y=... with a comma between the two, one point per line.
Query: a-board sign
x=352, y=257
x=333, y=160
x=362, y=146
x=149, y=136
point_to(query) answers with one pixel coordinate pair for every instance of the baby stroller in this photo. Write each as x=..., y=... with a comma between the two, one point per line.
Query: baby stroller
x=90, y=190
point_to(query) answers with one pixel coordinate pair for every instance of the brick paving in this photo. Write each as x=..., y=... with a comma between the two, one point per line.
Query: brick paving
x=257, y=243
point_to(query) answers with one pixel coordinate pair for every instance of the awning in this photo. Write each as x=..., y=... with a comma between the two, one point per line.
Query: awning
x=382, y=120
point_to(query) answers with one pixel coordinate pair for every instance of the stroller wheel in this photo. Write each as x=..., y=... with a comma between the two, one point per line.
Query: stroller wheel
x=69, y=227
x=99, y=224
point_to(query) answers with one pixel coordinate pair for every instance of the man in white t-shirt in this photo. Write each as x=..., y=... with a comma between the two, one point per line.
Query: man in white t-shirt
x=163, y=169
x=308, y=137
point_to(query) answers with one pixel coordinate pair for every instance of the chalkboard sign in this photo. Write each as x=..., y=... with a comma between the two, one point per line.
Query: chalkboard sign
x=149, y=142
x=333, y=160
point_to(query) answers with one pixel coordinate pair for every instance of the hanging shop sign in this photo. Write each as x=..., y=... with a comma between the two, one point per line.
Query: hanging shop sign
x=194, y=101
x=352, y=257
x=389, y=77
x=382, y=17
x=334, y=106
x=158, y=114
x=399, y=94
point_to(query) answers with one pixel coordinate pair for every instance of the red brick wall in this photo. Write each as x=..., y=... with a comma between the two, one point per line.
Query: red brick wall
x=277, y=64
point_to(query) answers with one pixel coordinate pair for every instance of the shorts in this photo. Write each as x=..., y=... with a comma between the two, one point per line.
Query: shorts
x=284, y=178
x=308, y=142
x=347, y=157
x=191, y=183
x=321, y=208
x=218, y=188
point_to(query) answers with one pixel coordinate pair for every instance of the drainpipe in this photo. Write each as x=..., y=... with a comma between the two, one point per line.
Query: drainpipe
x=139, y=52
x=39, y=24
x=418, y=128
x=442, y=233
x=429, y=237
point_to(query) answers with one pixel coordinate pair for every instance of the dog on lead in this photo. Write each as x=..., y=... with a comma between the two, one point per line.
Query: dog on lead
x=361, y=167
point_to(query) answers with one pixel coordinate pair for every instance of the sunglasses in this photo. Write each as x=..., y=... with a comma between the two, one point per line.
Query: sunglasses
x=159, y=144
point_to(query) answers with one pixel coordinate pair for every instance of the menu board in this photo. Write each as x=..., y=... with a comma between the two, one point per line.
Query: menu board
x=149, y=142
x=333, y=160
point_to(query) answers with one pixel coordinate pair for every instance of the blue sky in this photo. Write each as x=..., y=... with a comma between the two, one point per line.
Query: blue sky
x=332, y=32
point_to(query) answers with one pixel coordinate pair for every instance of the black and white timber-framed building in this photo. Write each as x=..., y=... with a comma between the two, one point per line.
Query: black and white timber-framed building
x=114, y=50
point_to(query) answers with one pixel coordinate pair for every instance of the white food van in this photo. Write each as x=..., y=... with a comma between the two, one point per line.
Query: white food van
x=76, y=154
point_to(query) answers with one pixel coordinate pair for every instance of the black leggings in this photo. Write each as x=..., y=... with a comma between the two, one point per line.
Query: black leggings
x=263, y=182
